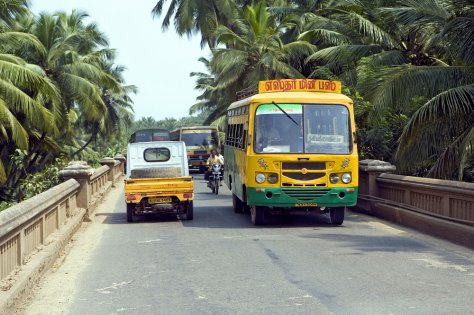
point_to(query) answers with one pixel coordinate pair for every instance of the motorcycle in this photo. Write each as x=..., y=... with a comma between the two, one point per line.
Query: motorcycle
x=215, y=178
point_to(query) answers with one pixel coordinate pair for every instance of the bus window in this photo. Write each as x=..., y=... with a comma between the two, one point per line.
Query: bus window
x=199, y=139
x=327, y=129
x=279, y=129
x=147, y=135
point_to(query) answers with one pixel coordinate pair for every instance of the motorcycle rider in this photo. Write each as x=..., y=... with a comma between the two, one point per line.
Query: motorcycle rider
x=214, y=158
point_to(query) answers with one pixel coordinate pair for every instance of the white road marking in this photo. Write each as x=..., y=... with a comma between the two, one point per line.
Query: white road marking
x=114, y=286
x=300, y=297
x=149, y=241
x=442, y=265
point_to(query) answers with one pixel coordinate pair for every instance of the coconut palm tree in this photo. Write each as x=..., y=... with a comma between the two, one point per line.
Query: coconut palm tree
x=91, y=97
x=442, y=130
x=25, y=89
x=251, y=49
x=191, y=16
x=75, y=57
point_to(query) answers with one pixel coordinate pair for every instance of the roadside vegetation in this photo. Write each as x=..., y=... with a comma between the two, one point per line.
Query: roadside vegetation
x=61, y=97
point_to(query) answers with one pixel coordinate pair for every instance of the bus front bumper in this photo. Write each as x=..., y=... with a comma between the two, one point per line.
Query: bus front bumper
x=302, y=197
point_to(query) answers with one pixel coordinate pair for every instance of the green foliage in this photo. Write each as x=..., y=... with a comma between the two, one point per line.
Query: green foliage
x=169, y=123
x=37, y=182
x=60, y=93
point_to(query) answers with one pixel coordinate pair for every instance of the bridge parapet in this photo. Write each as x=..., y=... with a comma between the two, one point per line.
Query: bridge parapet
x=439, y=207
x=35, y=231
x=123, y=160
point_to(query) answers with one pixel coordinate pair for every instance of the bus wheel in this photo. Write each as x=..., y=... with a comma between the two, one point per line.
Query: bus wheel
x=257, y=215
x=237, y=204
x=337, y=215
x=130, y=208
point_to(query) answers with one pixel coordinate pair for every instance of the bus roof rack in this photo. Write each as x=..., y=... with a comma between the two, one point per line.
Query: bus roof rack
x=249, y=91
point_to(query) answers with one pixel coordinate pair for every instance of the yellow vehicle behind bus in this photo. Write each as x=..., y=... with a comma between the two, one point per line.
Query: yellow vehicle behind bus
x=292, y=147
x=200, y=140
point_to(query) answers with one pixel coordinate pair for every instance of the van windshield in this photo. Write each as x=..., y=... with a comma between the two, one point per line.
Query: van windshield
x=302, y=128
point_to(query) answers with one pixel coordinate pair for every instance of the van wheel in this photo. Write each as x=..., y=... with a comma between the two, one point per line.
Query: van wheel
x=130, y=208
x=337, y=215
x=237, y=204
x=189, y=211
x=257, y=215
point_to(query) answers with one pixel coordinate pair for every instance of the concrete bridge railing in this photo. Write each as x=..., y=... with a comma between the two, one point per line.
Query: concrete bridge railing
x=441, y=208
x=41, y=226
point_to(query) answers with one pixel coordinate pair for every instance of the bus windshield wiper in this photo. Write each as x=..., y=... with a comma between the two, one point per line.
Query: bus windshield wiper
x=283, y=111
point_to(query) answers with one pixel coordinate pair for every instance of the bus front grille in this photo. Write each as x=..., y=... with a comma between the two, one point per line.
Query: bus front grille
x=296, y=166
x=305, y=194
x=303, y=177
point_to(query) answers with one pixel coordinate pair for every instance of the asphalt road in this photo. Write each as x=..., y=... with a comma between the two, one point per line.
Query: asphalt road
x=220, y=263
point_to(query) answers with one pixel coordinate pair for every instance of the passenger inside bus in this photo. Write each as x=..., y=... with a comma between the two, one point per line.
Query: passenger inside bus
x=267, y=134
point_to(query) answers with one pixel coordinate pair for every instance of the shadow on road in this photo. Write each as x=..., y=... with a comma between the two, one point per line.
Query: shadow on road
x=371, y=243
x=121, y=218
x=224, y=217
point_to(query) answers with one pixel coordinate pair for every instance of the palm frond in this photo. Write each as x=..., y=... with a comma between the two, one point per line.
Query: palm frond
x=396, y=86
x=371, y=30
x=86, y=93
x=225, y=35
x=462, y=29
x=420, y=13
x=324, y=36
x=17, y=41
x=343, y=54
x=8, y=120
x=453, y=159
x=452, y=103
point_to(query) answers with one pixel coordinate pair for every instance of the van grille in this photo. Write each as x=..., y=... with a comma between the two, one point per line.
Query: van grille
x=305, y=194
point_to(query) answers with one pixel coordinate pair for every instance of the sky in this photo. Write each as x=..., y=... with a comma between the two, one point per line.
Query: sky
x=157, y=62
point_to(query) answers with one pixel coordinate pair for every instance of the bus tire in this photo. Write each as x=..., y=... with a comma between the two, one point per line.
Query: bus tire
x=189, y=211
x=156, y=172
x=237, y=204
x=337, y=215
x=257, y=215
x=130, y=208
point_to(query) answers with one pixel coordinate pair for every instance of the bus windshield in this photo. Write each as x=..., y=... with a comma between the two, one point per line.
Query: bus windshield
x=302, y=128
x=147, y=135
x=198, y=138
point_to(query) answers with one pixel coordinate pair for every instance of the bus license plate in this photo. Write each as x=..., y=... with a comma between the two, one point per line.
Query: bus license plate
x=310, y=204
x=159, y=200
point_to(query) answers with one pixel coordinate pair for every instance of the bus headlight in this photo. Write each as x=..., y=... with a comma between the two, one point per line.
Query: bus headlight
x=272, y=178
x=260, y=178
x=334, y=178
x=346, y=178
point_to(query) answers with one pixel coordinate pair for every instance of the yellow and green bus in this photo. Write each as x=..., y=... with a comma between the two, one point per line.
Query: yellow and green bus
x=291, y=147
x=199, y=140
